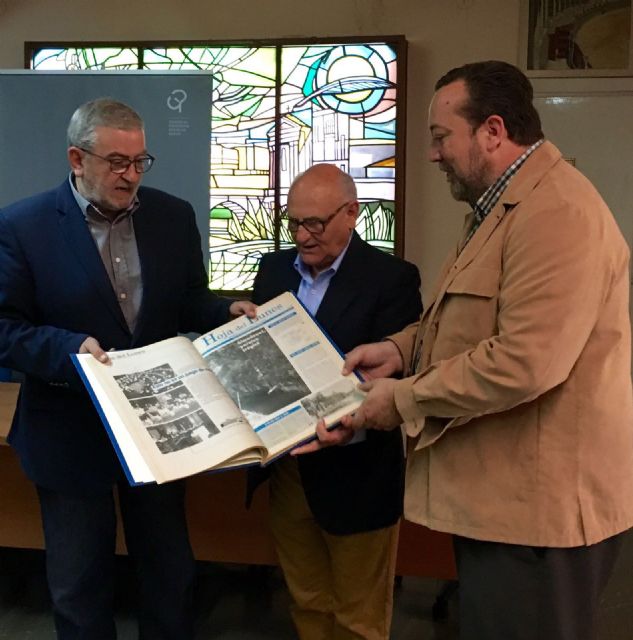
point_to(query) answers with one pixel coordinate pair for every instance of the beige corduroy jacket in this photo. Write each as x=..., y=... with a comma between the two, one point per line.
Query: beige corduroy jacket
x=520, y=408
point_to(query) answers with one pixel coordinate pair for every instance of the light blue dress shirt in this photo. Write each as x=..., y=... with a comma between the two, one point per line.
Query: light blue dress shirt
x=311, y=292
x=312, y=289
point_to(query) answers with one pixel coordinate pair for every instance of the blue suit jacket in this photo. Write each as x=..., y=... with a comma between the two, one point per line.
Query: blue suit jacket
x=373, y=294
x=54, y=292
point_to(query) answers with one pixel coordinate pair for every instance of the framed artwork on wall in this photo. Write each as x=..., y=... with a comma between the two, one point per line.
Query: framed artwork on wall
x=576, y=37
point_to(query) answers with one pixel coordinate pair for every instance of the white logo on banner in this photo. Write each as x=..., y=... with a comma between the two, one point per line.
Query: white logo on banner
x=176, y=99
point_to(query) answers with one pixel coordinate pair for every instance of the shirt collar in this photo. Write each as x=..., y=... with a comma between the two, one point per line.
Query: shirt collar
x=491, y=195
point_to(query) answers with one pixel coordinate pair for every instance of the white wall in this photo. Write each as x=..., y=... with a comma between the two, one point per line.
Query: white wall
x=442, y=34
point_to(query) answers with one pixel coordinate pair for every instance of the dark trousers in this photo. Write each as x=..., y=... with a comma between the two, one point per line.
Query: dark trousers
x=513, y=592
x=80, y=537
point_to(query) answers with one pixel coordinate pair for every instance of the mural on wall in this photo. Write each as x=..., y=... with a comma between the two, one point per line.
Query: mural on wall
x=579, y=34
x=288, y=104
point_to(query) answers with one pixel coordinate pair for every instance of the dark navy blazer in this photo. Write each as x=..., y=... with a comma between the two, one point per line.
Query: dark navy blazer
x=54, y=292
x=358, y=487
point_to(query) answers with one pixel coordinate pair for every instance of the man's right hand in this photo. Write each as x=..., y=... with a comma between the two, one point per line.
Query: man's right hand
x=91, y=345
x=375, y=360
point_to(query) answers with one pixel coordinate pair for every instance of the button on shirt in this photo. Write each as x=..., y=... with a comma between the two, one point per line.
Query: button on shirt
x=311, y=292
x=116, y=242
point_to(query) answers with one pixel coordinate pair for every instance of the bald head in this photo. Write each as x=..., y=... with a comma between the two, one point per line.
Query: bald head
x=324, y=197
x=321, y=179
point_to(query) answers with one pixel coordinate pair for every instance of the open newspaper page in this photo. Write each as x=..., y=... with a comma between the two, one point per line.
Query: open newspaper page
x=282, y=372
x=168, y=414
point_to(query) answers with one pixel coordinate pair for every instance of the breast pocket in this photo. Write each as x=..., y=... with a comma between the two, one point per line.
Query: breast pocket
x=482, y=282
x=469, y=310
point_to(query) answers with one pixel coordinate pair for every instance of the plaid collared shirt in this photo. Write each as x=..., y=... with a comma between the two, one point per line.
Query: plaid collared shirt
x=491, y=195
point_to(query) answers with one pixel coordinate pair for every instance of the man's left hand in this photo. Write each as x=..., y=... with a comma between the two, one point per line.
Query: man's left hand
x=91, y=345
x=378, y=410
x=243, y=308
x=340, y=435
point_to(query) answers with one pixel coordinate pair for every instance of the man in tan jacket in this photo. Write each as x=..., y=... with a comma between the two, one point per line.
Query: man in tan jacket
x=517, y=394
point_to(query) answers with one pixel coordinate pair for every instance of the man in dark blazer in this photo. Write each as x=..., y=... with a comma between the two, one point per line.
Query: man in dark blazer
x=334, y=512
x=100, y=263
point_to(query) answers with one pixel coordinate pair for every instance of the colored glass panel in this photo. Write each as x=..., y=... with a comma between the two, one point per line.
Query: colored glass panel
x=345, y=97
x=242, y=151
x=96, y=58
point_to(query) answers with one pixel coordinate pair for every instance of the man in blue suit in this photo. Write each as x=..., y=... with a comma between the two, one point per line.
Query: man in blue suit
x=100, y=263
x=334, y=512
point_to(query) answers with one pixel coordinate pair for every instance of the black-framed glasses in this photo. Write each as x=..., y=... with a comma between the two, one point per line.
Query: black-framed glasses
x=120, y=164
x=313, y=225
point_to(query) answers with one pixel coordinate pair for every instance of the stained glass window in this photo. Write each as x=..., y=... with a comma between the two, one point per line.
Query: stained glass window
x=277, y=109
x=75, y=59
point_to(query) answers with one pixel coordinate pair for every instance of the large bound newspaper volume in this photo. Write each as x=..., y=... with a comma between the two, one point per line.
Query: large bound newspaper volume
x=244, y=393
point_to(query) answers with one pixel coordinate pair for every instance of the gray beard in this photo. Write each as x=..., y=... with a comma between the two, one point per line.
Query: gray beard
x=463, y=192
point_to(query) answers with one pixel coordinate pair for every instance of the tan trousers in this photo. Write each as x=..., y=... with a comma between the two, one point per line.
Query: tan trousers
x=341, y=586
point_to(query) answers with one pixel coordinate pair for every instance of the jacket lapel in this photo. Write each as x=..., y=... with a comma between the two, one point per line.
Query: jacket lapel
x=288, y=277
x=80, y=243
x=346, y=285
x=150, y=255
x=476, y=243
x=539, y=163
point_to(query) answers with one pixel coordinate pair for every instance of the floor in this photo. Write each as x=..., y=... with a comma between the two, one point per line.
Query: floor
x=235, y=602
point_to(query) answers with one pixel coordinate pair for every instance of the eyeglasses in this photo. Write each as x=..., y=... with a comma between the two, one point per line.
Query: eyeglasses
x=313, y=225
x=119, y=164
